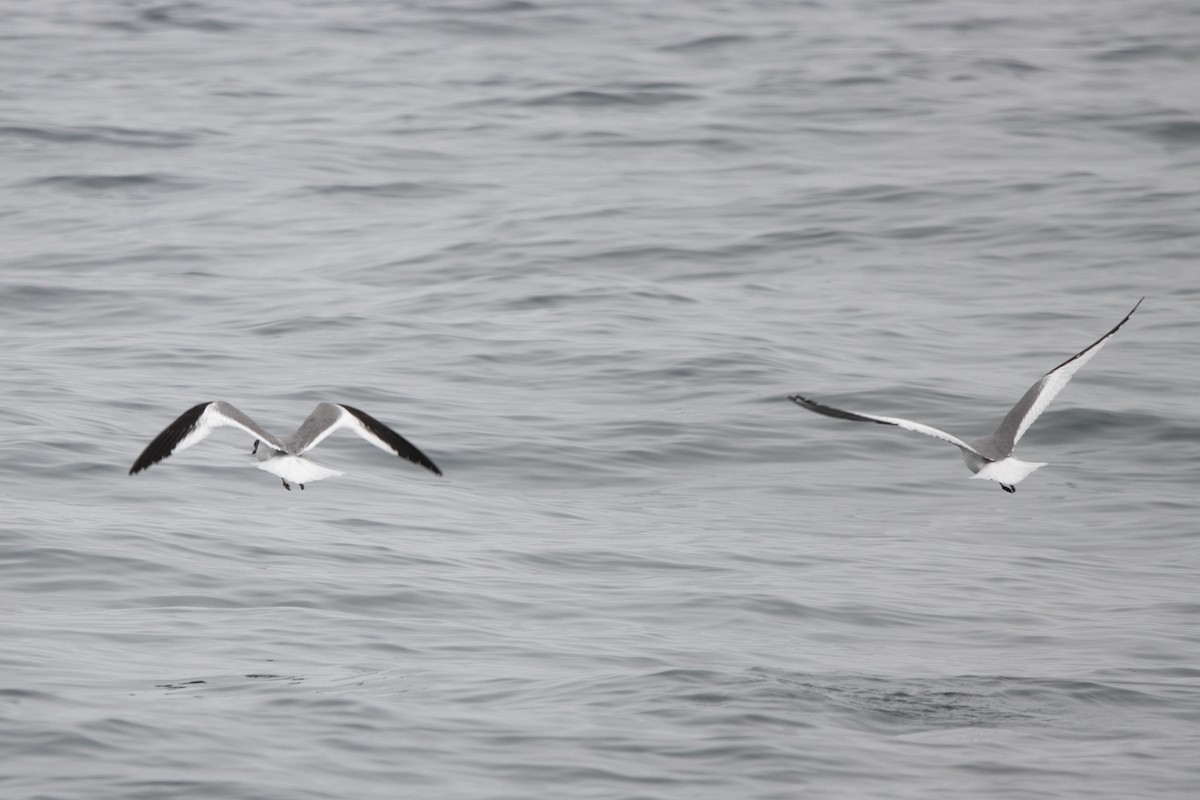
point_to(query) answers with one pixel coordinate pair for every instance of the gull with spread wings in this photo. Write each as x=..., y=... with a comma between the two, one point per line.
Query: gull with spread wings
x=283, y=457
x=991, y=457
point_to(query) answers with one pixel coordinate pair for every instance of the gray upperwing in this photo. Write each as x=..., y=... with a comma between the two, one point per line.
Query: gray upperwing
x=1005, y=437
x=237, y=419
x=1038, y=397
x=319, y=424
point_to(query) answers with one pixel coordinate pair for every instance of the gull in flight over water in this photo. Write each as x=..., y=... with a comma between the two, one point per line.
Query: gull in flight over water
x=991, y=457
x=283, y=457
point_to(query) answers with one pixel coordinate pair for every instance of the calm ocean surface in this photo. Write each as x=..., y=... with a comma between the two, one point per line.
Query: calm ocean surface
x=580, y=253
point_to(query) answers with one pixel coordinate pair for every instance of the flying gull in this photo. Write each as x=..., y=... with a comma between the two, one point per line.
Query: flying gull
x=283, y=457
x=991, y=457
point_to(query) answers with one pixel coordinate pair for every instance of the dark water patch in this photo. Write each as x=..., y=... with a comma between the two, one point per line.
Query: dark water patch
x=604, y=562
x=708, y=43
x=194, y=601
x=387, y=599
x=1147, y=51
x=1183, y=132
x=192, y=684
x=589, y=297
x=899, y=704
x=188, y=16
x=501, y=7
x=803, y=235
x=481, y=27
x=926, y=707
x=256, y=93
x=360, y=524
x=894, y=705
x=858, y=80
x=102, y=184
x=88, y=134
x=395, y=189
x=58, y=569
x=595, y=98
x=1089, y=426
x=918, y=232
x=1009, y=65
x=649, y=255
x=227, y=684
x=747, y=365
x=306, y=325
x=665, y=145
x=40, y=298
x=1086, y=692
x=14, y=697
x=1183, y=676
x=57, y=262
x=848, y=614
x=63, y=744
x=966, y=24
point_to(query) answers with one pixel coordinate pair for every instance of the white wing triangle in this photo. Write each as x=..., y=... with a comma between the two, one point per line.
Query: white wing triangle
x=1039, y=396
x=194, y=425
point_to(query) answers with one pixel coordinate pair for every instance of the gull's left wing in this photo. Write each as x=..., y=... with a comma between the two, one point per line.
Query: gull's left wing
x=328, y=417
x=1038, y=397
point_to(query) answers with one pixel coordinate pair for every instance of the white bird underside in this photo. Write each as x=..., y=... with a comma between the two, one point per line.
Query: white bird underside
x=1007, y=471
x=990, y=457
x=282, y=457
x=297, y=469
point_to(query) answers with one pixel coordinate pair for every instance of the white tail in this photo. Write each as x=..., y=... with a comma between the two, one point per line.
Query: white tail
x=297, y=469
x=1010, y=471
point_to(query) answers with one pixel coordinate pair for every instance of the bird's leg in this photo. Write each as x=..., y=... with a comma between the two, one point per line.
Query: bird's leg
x=302, y=487
x=255, y=450
x=1007, y=488
x=285, y=484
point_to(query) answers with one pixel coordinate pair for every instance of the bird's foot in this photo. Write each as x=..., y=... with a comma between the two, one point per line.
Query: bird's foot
x=285, y=485
x=301, y=485
x=254, y=450
x=1009, y=489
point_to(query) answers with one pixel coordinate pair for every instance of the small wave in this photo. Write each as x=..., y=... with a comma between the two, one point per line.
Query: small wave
x=185, y=15
x=406, y=189
x=584, y=98
x=1175, y=132
x=305, y=324
x=503, y=7
x=1009, y=64
x=1142, y=52
x=102, y=183
x=120, y=137
x=715, y=42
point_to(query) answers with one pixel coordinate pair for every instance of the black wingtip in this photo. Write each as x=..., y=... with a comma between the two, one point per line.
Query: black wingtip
x=400, y=446
x=164, y=444
x=1115, y=328
x=803, y=402
x=830, y=411
x=1125, y=319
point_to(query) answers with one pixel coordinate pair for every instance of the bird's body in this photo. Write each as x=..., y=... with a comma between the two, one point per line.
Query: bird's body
x=991, y=457
x=284, y=457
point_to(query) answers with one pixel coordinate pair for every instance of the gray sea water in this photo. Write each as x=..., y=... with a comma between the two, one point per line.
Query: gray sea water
x=579, y=253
